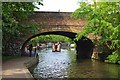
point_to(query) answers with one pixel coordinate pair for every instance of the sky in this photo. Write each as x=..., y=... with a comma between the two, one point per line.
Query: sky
x=59, y=5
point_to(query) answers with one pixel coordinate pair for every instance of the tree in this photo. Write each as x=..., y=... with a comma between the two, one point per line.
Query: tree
x=12, y=15
x=103, y=20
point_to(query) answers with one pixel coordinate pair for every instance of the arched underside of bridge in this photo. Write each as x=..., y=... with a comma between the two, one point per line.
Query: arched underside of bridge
x=84, y=45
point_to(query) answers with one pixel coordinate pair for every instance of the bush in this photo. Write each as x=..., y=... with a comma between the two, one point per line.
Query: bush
x=114, y=57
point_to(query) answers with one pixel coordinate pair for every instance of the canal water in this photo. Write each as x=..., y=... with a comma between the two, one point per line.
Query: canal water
x=64, y=65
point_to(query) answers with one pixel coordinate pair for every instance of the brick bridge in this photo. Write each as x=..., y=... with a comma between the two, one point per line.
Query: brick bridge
x=55, y=21
x=59, y=23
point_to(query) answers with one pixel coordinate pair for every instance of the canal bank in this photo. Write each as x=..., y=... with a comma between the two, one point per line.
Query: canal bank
x=18, y=68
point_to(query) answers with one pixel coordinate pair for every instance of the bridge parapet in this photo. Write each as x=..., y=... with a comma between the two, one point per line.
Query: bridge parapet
x=56, y=18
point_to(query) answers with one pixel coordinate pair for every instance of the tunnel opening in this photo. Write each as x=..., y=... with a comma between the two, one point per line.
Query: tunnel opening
x=84, y=48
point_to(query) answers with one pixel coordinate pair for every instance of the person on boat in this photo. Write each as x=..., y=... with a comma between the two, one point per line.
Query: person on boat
x=56, y=47
x=59, y=46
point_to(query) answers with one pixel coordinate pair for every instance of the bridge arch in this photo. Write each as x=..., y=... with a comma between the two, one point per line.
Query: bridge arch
x=84, y=45
x=70, y=35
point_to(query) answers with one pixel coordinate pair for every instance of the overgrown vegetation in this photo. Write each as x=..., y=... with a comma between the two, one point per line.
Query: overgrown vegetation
x=103, y=20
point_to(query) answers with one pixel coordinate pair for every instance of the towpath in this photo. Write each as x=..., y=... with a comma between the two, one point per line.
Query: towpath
x=17, y=68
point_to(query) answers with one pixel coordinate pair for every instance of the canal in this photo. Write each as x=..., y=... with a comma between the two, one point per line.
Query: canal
x=64, y=65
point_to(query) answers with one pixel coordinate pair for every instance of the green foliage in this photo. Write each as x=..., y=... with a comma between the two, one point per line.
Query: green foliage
x=103, y=20
x=13, y=13
x=82, y=12
x=118, y=62
x=17, y=10
x=75, y=45
x=50, y=38
x=114, y=58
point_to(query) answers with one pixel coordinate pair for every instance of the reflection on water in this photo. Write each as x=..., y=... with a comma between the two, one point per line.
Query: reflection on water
x=63, y=65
